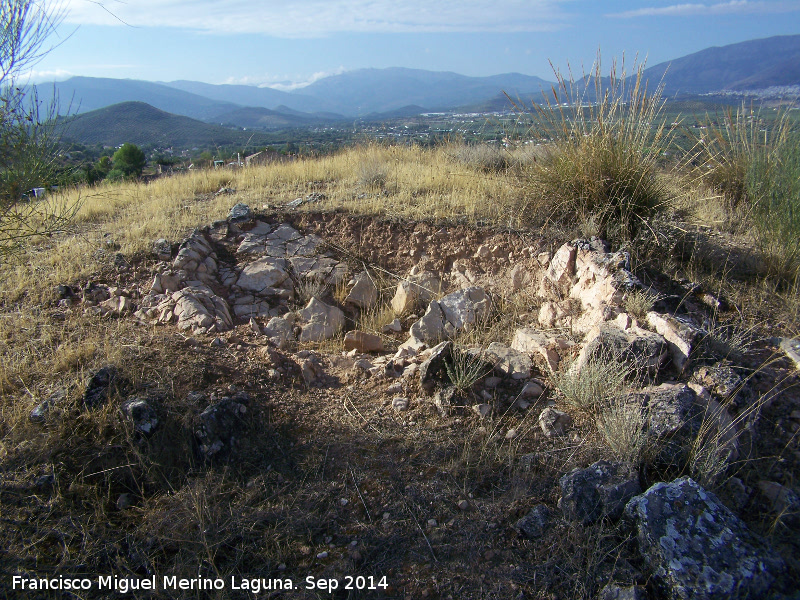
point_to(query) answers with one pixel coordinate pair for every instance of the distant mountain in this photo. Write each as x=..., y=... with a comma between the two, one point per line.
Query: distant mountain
x=366, y=91
x=250, y=95
x=264, y=118
x=756, y=64
x=140, y=123
x=84, y=94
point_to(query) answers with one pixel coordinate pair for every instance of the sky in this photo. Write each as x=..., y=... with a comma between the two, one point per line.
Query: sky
x=287, y=44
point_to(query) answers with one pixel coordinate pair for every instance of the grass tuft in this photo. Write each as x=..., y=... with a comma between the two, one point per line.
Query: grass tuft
x=596, y=383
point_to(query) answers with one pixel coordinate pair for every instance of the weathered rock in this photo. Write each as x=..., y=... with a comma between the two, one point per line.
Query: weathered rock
x=482, y=410
x=670, y=408
x=532, y=342
x=561, y=269
x=394, y=327
x=511, y=363
x=722, y=381
x=642, y=350
x=415, y=290
x=400, y=404
x=782, y=500
x=312, y=369
x=680, y=334
x=240, y=213
x=361, y=341
x=125, y=501
x=430, y=328
x=445, y=399
x=432, y=370
x=141, y=415
x=220, y=423
x=279, y=331
x=42, y=410
x=116, y=305
x=698, y=549
x=534, y=524
x=600, y=490
x=364, y=293
x=320, y=321
x=532, y=389
x=791, y=348
x=464, y=308
x=554, y=423
x=101, y=385
x=262, y=274
x=199, y=310
x=162, y=249
x=616, y=592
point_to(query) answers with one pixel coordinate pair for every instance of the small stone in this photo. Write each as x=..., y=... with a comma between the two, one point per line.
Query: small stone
x=482, y=410
x=553, y=422
x=125, y=501
x=400, y=404
x=322, y=554
x=362, y=342
x=532, y=389
x=463, y=504
x=534, y=524
x=343, y=501
x=492, y=382
x=432, y=523
x=511, y=433
x=393, y=327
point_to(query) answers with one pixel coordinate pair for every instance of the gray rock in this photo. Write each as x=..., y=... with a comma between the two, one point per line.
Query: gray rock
x=220, y=423
x=724, y=383
x=125, y=501
x=445, y=400
x=511, y=363
x=465, y=307
x=100, y=387
x=698, y=549
x=554, y=423
x=400, y=404
x=782, y=500
x=200, y=310
x=643, y=350
x=681, y=335
x=433, y=370
x=363, y=294
x=266, y=272
x=141, y=414
x=162, y=249
x=417, y=289
x=40, y=412
x=791, y=348
x=430, y=328
x=616, y=592
x=240, y=213
x=279, y=331
x=320, y=321
x=534, y=524
x=599, y=490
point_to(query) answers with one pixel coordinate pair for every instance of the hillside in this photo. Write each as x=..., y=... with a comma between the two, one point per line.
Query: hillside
x=140, y=123
x=264, y=118
x=755, y=64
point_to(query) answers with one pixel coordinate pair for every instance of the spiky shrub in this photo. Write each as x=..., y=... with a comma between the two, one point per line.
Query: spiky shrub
x=595, y=384
x=465, y=367
x=602, y=138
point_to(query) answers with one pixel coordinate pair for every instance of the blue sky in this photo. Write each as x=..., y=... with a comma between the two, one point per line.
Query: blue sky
x=287, y=44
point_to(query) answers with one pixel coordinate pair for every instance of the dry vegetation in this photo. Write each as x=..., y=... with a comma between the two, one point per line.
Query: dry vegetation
x=318, y=469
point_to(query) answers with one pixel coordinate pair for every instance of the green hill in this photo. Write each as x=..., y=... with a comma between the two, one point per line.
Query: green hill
x=141, y=124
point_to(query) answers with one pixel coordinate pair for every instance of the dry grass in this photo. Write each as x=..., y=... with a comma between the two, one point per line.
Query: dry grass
x=597, y=383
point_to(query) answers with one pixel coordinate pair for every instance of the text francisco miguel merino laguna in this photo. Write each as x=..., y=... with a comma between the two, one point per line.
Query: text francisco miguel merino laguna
x=124, y=585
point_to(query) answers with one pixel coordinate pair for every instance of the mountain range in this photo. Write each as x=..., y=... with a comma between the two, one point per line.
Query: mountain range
x=388, y=93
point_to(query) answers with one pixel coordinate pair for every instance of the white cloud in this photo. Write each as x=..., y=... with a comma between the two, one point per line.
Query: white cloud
x=312, y=18
x=721, y=8
x=48, y=75
x=284, y=83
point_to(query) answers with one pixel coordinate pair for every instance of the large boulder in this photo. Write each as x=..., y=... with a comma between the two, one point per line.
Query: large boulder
x=698, y=549
x=602, y=489
x=320, y=321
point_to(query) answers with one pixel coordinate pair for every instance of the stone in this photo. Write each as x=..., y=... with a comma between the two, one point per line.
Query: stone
x=101, y=385
x=280, y=331
x=320, y=321
x=162, y=249
x=562, y=267
x=444, y=400
x=532, y=389
x=534, y=524
x=394, y=327
x=415, y=290
x=362, y=341
x=532, y=341
x=125, y=501
x=612, y=591
x=644, y=351
x=782, y=500
x=400, y=404
x=311, y=369
x=791, y=348
x=430, y=328
x=432, y=370
x=140, y=414
x=220, y=423
x=680, y=333
x=262, y=274
x=492, y=382
x=364, y=293
x=465, y=307
x=696, y=548
x=200, y=310
x=482, y=410
x=554, y=423
x=508, y=361
x=669, y=408
x=240, y=213
x=600, y=490
x=723, y=382
x=718, y=425
x=42, y=410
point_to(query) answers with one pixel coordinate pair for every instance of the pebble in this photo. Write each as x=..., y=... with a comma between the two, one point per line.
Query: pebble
x=511, y=433
x=400, y=404
x=322, y=554
x=463, y=505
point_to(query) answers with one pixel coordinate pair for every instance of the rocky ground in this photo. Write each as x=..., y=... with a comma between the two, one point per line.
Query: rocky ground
x=333, y=395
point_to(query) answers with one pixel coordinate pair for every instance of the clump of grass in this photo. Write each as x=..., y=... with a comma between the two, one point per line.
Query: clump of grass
x=596, y=383
x=373, y=172
x=602, y=146
x=465, y=367
x=623, y=425
x=482, y=157
x=639, y=302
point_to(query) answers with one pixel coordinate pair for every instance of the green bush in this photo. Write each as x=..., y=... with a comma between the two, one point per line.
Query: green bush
x=602, y=139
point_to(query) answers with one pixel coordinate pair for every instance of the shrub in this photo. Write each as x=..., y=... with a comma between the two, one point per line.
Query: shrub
x=482, y=157
x=602, y=140
x=465, y=367
x=595, y=384
x=623, y=426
